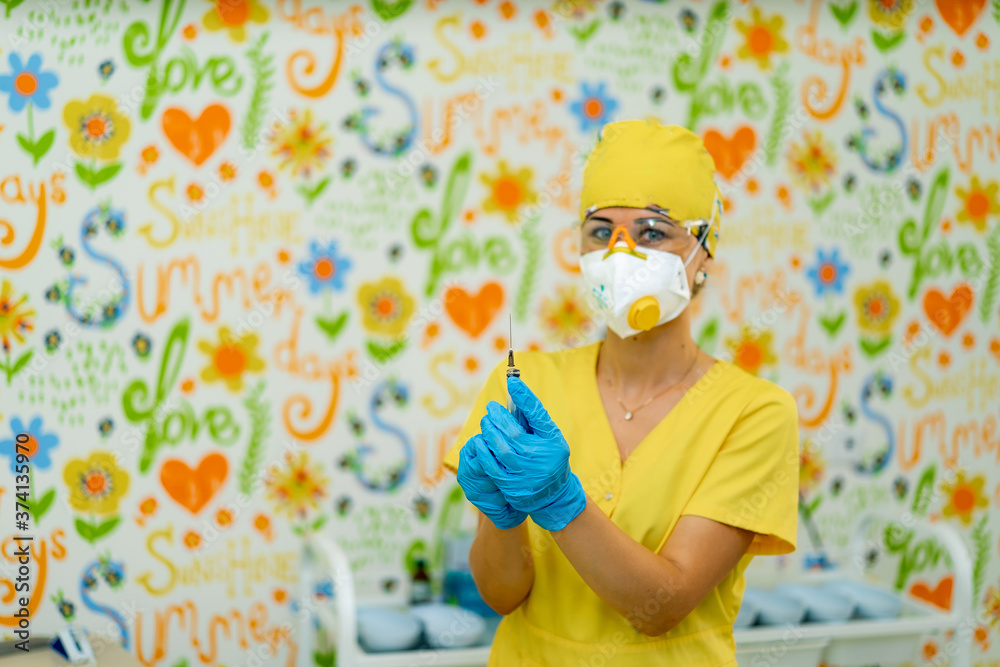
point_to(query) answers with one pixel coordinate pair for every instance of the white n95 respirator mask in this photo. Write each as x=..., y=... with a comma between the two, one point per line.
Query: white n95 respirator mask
x=634, y=290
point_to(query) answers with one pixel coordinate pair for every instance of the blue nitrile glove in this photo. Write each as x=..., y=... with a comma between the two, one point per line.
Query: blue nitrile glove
x=530, y=462
x=481, y=490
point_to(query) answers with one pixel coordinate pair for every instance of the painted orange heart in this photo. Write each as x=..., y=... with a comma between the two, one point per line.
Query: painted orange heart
x=946, y=313
x=472, y=314
x=939, y=596
x=196, y=139
x=960, y=14
x=730, y=154
x=193, y=488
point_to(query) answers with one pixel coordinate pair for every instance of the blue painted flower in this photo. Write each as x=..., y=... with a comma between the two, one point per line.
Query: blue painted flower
x=324, y=268
x=829, y=273
x=594, y=108
x=39, y=444
x=27, y=83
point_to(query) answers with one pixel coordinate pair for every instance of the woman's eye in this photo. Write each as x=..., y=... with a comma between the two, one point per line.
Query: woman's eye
x=653, y=235
x=601, y=234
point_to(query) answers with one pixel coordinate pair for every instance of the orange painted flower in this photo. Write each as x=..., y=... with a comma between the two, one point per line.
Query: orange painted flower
x=227, y=172
x=187, y=386
x=565, y=316
x=982, y=637
x=478, y=29
x=752, y=186
x=265, y=179
x=231, y=358
x=194, y=193
x=991, y=606
x=297, y=487
x=944, y=360
x=725, y=62
x=508, y=10
x=812, y=466
x=148, y=506
x=280, y=595
x=224, y=518
x=964, y=496
x=500, y=343
x=957, y=58
x=979, y=201
x=752, y=351
x=471, y=364
x=968, y=341
x=233, y=17
x=15, y=316
x=557, y=95
x=149, y=154
x=431, y=332
x=812, y=162
x=190, y=31
x=509, y=191
x=762, y=38
x=995, y=348
x=926, y=24
x=262, y=523
x=930, y=649
x=543, y=21
x=192, y=540
x=302, y=145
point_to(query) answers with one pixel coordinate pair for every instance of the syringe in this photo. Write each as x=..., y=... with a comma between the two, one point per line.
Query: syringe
x=511, y=370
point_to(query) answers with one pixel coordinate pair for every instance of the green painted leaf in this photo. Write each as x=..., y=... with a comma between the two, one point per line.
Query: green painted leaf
x=388, y=11
x=26, y=144
x=833, y=324
x=21, y=362
x=43, y=145
x=886, y=42
x=107, y=173
x=384, y=353
x=584, y=33
x=332, y=326
x=844, y=15
x=925, y=491
x=820, y=204
x=874, y=347
x=102, y=529
x=708, y=337
x=325, y=659
x=85, y=174
x=41, y=506
x=318, y=523
x=85, y=529
x=310, y=193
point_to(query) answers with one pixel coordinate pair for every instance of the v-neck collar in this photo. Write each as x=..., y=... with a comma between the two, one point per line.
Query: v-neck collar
x=599, y=415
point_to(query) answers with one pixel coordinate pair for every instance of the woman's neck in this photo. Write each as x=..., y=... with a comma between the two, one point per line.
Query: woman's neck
x=649, y=361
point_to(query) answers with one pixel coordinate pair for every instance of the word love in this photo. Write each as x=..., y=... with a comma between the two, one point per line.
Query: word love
x=428, y=234
x=143, y=50
x=168, y=422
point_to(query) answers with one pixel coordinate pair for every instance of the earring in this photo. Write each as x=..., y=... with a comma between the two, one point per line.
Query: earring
x=699, y=278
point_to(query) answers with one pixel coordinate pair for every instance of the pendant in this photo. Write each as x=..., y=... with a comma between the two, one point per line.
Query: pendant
x=628, y=416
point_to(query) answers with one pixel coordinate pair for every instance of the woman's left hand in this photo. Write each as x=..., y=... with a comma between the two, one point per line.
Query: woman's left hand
x=530, y=460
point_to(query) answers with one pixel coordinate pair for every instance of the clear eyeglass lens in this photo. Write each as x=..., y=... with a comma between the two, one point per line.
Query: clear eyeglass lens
x=647, y=233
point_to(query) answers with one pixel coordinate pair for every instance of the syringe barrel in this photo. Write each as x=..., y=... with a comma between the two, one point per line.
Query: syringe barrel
x=512, y=372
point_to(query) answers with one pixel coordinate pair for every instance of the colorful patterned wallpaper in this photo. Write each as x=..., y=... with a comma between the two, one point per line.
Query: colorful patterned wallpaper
x=256, y=259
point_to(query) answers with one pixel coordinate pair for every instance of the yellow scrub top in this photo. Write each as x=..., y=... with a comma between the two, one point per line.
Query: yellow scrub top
x=728, y=451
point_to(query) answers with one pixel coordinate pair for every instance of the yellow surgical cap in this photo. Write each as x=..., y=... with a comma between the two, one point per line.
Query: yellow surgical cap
x=640, y=163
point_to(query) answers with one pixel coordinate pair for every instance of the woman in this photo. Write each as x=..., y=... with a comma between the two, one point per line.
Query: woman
x=621, y=506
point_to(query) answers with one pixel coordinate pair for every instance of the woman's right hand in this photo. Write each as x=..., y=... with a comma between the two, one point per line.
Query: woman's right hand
x=481, y=490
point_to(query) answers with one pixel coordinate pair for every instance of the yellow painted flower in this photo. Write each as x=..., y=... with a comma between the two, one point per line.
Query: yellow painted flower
x=812, y=162
x=978, y=202
x=233, y=16
x=231, y=358
x=96, y=129
x=386, y=306
x=301, y=144
x=566, y=316
x=762, y=38
x=812, y=466
x=509, y=191
x=95, y=484
x=15, y=316
x=297, y=487
x=751, y=351
x=964, y=496
x=877, y=307
x=891, y=14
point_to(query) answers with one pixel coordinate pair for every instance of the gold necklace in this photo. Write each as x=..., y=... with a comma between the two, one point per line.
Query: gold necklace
x=630, y=413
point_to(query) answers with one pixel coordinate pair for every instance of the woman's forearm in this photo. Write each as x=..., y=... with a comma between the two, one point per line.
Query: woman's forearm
x=639, y=584
x=502, y=565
